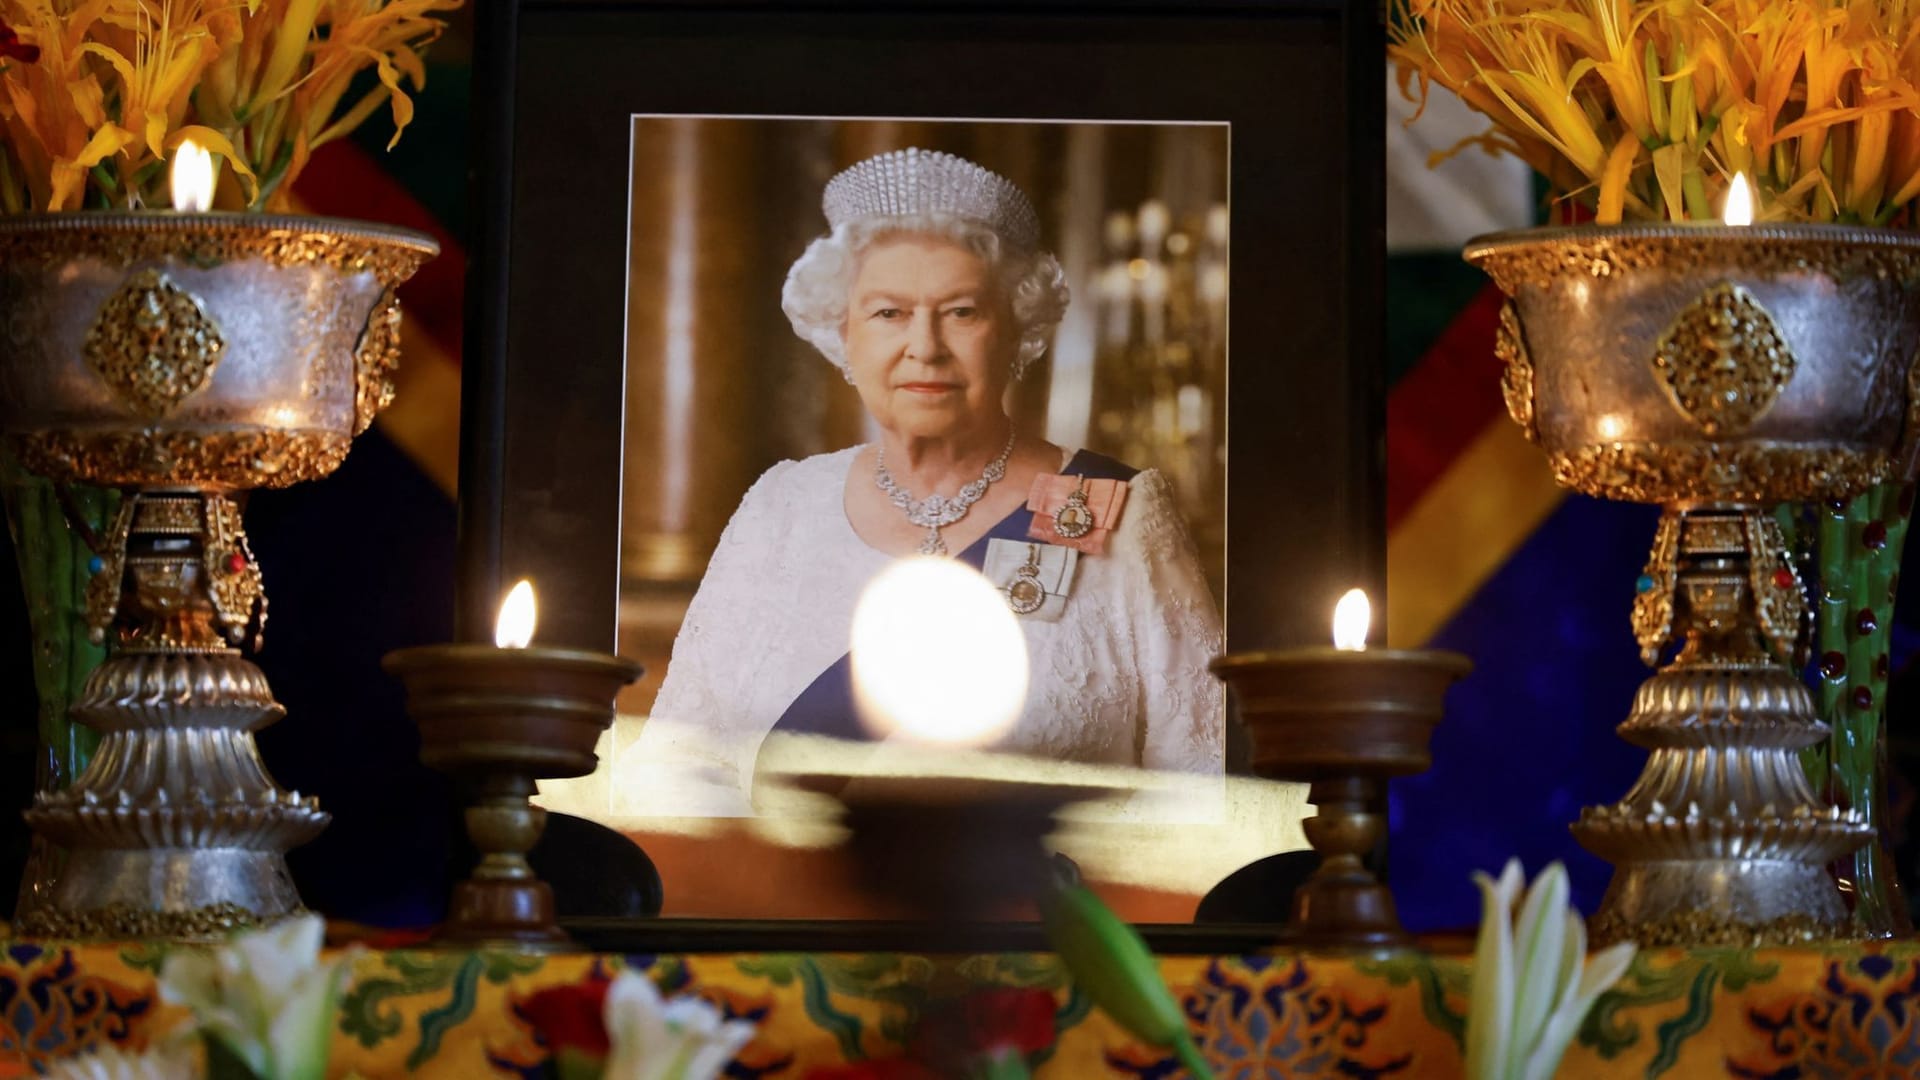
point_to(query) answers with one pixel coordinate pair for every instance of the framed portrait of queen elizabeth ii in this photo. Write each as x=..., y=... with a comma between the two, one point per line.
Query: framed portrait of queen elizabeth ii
x=784, y=302
x=899, y=378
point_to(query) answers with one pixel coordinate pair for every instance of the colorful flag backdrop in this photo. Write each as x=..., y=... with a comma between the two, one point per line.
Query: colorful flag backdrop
x=1487, y=556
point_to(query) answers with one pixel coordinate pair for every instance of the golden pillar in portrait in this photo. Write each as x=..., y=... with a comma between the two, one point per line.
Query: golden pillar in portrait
x=690, y=372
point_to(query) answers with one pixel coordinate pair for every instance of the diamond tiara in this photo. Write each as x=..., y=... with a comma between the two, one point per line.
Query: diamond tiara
x=914, y=181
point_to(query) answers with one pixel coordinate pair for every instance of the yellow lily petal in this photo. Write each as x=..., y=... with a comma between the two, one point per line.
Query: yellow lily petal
x=1669, y=170
x=109, y=140
x=290, y=40
x=211, y=141
x=1613, y=182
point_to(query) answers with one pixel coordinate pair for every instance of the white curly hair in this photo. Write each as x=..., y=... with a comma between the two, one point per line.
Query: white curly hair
x=816, y=294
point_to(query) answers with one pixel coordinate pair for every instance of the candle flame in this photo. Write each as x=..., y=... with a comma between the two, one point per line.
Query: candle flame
x=1739, y=208
x=938, y=657
x=518, y=612
x=192, y=177
x=1350, y=619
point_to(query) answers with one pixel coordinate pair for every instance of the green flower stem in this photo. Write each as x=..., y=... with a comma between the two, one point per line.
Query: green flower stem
x=1855, y=725
x=1830, y=637
x=1875, y=878
x=1693, y=191
x=53, y=562
x=53, y=572
x=1857, y=582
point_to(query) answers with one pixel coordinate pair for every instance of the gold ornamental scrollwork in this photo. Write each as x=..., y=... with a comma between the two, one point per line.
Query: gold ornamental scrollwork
x=1723, y=360
x=1779, y=597
x=375, y=361
x=103, y=588
x=153, y=343
x=1546, y=258
x=175, y=515
x=1746, y=471
x=1713, y=535
x=268, y=458
x=1653, y=600
x=233, y=578
x=207, y=240
x=1516, y=371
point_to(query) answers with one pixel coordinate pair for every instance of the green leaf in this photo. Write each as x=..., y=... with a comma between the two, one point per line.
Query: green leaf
x=1610, y=1028
x=1672, y=1033
x=1438, y=982
x=435, y=1023
x=366, y=1013
x=844, y=1027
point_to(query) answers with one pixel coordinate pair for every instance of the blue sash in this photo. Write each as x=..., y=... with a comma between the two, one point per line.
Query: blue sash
x=826, y=706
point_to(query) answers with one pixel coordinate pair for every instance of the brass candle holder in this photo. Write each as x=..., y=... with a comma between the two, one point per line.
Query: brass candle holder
x=498, y=719
x=1345, y=721
x=943, y=847
x=949, y=849
x=183, y=358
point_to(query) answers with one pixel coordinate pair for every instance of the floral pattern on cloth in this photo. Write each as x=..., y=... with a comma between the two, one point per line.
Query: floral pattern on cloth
x=1272, y=1017
x=54, y=1006
x=1777, y=1013
x=1858, y=1021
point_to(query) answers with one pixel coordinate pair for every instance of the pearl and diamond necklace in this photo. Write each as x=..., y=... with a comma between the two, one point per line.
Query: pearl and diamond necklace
x=936, y=512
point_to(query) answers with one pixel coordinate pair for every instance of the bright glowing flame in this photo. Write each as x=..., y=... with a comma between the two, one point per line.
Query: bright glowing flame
x=1350, y=619
x=1611, y=426
x=518, y=612
x=1739, y=208
x=937, y=655
x=192, y=177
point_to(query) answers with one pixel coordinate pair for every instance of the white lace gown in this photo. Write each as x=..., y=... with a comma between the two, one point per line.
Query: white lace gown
x=1120, y=679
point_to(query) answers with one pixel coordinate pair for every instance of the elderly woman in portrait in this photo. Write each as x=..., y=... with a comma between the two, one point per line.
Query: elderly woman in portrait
x=931, y=297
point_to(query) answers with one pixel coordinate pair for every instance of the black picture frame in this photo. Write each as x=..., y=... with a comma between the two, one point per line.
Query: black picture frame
x=1300, y=81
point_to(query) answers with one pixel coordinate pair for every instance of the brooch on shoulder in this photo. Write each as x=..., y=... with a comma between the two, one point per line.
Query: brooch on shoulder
x=1075, y=512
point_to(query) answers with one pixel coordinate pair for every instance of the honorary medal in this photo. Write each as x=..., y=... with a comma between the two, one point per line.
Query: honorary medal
x=1074, y=520
x=1025, y=594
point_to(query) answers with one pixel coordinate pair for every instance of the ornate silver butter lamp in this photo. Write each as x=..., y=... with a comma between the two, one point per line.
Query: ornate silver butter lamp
x=1718, y=371
x=185, y=357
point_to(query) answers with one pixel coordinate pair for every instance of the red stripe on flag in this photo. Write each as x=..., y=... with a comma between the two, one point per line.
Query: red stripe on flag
x=1436, y=410
x=342, y=180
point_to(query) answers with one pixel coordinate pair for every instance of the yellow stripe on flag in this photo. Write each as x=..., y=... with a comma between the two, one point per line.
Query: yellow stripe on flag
x=1467, y=523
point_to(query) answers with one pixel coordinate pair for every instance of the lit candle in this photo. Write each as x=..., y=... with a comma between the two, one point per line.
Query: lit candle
x=513, y=629
x=502, y=717
x=937, y=655
x=191, y=178
x=1345, y=720
x=1739, y=207
x=1351, y=617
